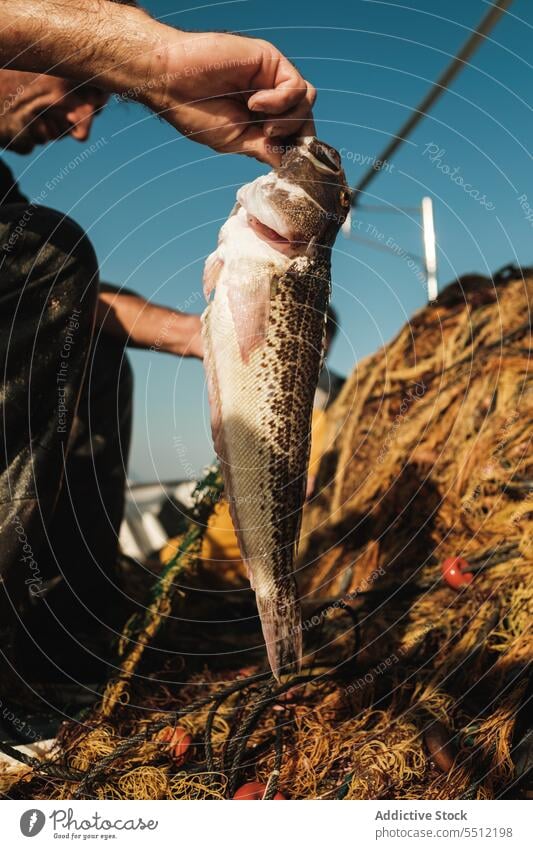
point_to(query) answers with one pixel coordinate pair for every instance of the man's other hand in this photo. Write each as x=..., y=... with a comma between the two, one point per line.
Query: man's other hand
x=136, y=322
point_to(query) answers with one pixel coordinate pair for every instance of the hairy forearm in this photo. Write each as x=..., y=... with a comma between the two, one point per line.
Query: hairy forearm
x=135, y=322
x=230, y=92
x=111, y=45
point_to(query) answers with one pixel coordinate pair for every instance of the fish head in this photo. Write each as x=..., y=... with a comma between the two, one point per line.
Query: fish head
x=304, y=202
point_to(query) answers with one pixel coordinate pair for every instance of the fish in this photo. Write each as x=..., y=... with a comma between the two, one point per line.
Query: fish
x=268, y=286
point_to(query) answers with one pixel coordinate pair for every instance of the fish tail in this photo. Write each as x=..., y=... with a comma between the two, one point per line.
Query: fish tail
x=282, y=630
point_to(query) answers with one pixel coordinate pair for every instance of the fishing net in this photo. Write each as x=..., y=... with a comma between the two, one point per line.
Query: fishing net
x=415, y=682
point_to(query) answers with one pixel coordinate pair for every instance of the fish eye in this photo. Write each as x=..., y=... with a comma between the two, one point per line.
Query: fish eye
x=345, y=198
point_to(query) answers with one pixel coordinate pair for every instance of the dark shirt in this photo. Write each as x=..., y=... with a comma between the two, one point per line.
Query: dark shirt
x=9, y=189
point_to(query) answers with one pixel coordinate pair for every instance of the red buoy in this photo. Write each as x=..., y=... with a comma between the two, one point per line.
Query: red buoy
x=179, y=742
x=455, y=572
x=254, y=790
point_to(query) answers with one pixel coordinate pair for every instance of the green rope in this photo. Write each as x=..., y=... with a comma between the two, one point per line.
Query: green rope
x=206, y=494
x=139, y=633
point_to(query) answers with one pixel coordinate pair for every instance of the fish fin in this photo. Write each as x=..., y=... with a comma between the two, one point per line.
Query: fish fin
x=282, y=631
x=311, y=250
x=212, y=384
x=214, y=262
x=246, y=563
x=250, y=309
x=212, y=269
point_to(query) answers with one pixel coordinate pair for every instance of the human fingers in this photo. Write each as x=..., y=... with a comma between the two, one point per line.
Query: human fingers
x=296, y=121
x=280, y=86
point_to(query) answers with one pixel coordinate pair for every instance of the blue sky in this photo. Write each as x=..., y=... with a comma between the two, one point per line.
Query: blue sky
x=153, y=202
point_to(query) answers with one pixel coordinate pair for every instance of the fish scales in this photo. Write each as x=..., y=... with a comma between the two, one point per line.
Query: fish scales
x=263, y=335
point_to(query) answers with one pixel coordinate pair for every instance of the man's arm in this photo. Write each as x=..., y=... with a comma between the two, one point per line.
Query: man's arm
x=105, y=42
x=137, y=323
x=230, y=92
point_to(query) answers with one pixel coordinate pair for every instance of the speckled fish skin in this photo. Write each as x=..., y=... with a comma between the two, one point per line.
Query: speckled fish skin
x=263, y=336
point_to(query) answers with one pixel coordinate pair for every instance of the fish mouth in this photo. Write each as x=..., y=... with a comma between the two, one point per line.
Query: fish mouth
x=324, y=157
x=267, y=234
x=265, y=219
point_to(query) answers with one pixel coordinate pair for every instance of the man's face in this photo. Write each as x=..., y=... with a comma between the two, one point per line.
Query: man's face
x=38, y=108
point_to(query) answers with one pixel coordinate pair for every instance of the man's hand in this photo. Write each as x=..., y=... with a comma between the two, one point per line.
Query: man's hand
x=235, y=94
x=230, y=92
x=136, y=322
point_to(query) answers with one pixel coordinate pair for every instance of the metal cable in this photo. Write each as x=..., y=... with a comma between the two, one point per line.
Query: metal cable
x=438, y=88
